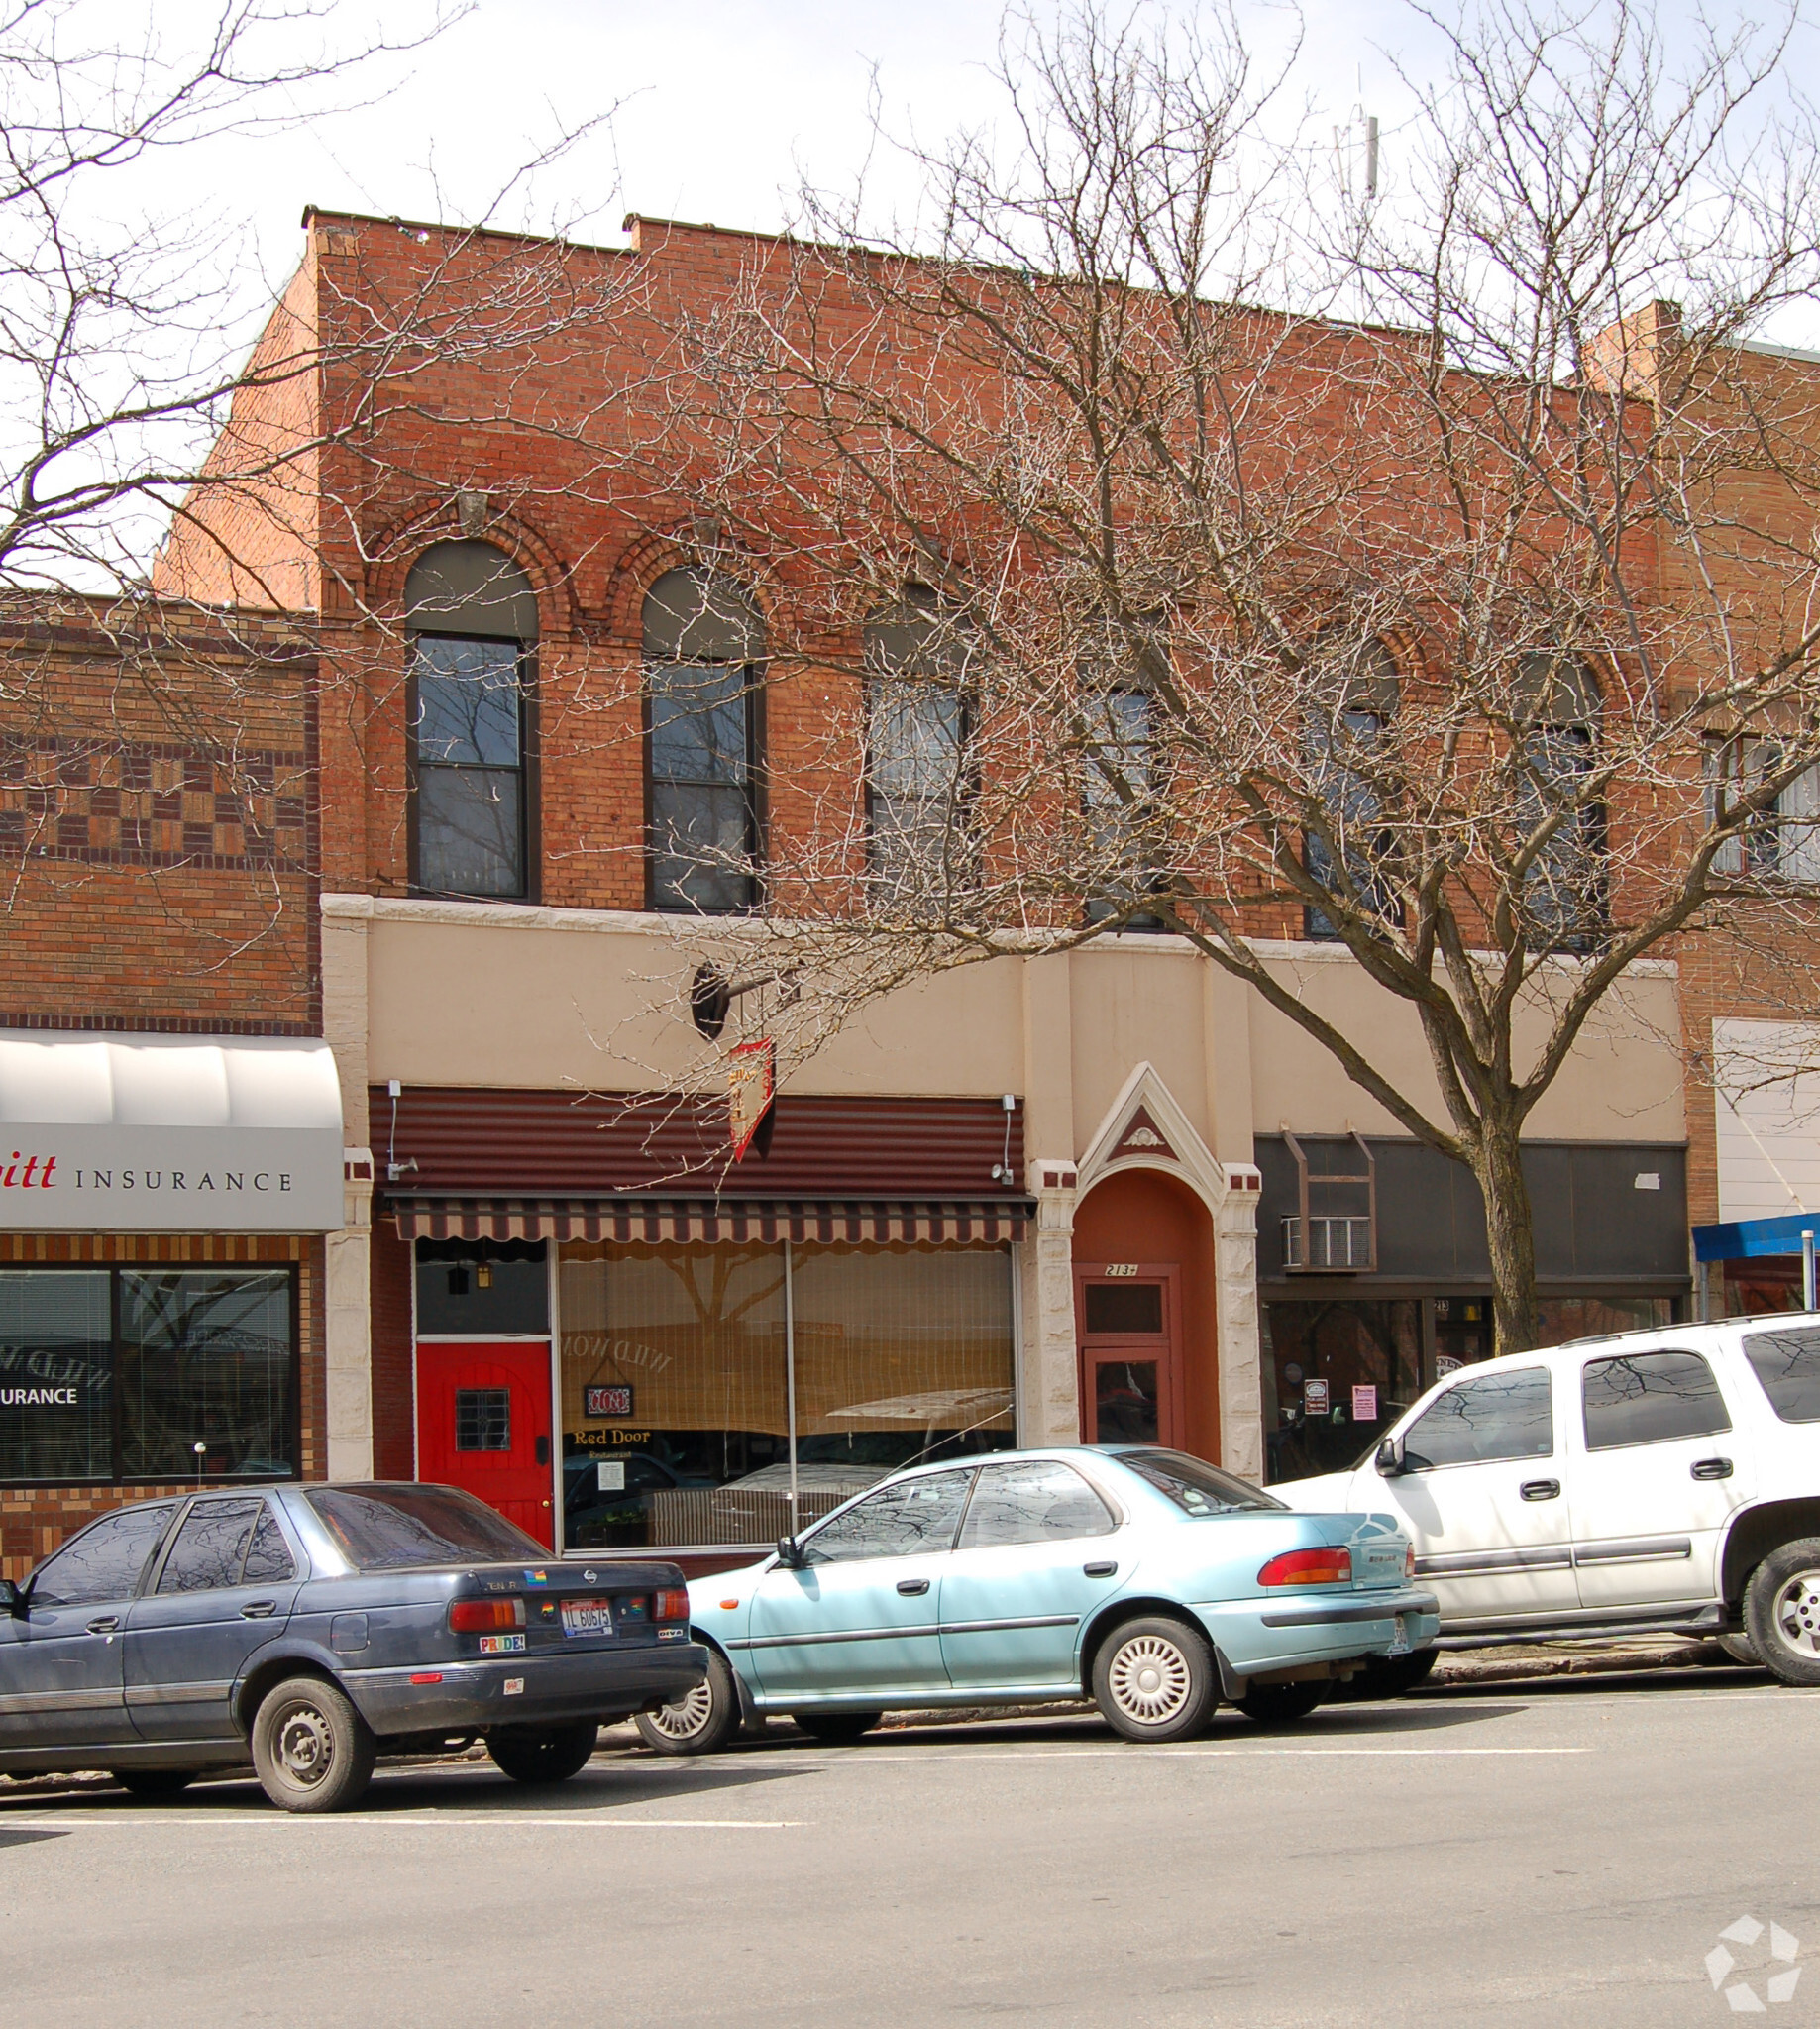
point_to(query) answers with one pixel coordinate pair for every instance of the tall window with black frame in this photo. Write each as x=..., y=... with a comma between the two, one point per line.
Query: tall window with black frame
x=703, y=650
x=472, y=619
x=917, y=738
x=1345, y=744
x=1565, y=887
x=1119, y=790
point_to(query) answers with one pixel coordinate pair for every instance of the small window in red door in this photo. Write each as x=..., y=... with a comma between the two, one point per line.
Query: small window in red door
x=482, y=1419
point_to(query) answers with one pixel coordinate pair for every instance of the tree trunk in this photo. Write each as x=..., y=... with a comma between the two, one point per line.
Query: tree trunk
x=1510, y=1236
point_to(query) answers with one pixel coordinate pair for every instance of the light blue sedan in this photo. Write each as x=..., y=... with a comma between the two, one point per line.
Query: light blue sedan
x=1155, y=1582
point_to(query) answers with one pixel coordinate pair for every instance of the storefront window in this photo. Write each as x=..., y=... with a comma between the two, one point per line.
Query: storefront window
x=56, y=1358
x=1337, y=1376
x=169, y=1374
x=687, y=1371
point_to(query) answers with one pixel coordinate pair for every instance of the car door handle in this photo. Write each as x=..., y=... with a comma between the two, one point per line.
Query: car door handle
x=104, y=1624
x=258, y=1609
x=911, y=1587
x=1540, y=1489
x=1101, y=1571
x=1711, y=1469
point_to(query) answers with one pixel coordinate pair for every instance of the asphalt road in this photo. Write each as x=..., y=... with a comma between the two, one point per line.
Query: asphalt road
x=1567, y=1853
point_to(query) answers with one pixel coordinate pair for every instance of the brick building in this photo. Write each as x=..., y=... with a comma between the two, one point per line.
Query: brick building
x=174, y=1158
x=1098, y=1194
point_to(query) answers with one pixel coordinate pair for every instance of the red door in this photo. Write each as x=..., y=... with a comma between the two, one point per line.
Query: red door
x=483, y=1424
x=1131, y=1384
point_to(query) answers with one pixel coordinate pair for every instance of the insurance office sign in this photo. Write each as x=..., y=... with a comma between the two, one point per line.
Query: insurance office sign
x=248, y=1139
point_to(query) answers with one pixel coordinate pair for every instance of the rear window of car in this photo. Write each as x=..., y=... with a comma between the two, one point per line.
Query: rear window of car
x=1196, y=1487
x=392, y=1529
x=1787, y=1364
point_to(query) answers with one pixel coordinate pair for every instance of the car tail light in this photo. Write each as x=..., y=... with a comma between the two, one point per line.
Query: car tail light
x=1308, y=1567
x=479, y=1616
x=670, y=1606
x=1409, y=1561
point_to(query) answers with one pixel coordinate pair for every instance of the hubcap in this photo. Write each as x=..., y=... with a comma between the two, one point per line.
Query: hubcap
x=688, y=1716
x=1149, y=1679
x=1797, y=1612
x=306, y=1746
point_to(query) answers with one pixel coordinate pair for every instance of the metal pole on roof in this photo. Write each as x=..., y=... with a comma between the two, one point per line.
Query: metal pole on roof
x=790, y=1371
x=1807, y=1270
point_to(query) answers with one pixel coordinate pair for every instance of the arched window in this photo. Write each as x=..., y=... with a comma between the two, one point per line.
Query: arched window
x=916, y=747
x=704, y=648
x=473, y=620
x=1564, y=891
x=1354, y=697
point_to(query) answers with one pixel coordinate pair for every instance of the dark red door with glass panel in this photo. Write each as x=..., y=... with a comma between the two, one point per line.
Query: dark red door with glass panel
x=483, y=1424
x=1129, y=1384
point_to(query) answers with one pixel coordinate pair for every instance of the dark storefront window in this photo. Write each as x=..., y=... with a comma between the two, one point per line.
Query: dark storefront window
x=1344, y=1371
x=679, y=1398
x=121, y=1374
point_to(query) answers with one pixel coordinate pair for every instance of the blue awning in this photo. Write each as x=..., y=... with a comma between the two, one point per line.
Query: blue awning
x=1749, y=1238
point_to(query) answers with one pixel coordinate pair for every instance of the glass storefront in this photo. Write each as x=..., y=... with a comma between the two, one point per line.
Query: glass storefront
x=1338, y=1372
x=715, y=1394
x=1336, y=1375
x=132, y=1375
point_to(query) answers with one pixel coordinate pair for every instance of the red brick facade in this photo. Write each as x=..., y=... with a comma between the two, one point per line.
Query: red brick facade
x=158, y=841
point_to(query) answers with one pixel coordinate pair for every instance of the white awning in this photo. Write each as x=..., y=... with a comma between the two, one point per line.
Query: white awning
x=180, y=1134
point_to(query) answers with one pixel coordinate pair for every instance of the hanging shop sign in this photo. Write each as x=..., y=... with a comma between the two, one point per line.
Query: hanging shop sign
x=613, y=1399
x=169, y=1134
x=752, y=1080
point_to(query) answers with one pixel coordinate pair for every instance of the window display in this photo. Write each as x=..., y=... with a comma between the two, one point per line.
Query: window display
x=119, y=1374
x=725, y=1394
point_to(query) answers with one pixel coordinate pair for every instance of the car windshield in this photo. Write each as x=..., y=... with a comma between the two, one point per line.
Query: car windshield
x=390, y=1529
x=1196, y=1487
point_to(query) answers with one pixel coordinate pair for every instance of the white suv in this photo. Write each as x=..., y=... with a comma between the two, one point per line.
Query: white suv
x=1660, y=1481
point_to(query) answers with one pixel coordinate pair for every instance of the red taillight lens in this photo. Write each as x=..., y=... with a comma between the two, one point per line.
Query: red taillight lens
x=670, y=1606
x=480, y=1616
x=1308, y=1567
x=1409, y=1561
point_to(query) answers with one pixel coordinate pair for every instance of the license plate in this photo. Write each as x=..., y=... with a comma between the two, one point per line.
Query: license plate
x=1399, y=1643
x=588, y=1616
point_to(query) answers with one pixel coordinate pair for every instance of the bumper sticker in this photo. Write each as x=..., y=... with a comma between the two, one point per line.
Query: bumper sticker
x=501, y=1644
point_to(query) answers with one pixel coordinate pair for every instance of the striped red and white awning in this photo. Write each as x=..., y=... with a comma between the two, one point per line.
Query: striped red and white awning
x=656, y=1221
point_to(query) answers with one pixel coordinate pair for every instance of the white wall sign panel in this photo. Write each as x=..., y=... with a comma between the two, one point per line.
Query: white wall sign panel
x=169, y=1134
x=1767, y=1082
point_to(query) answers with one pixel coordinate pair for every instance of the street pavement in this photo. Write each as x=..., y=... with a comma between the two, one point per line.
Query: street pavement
x=1560, y=1852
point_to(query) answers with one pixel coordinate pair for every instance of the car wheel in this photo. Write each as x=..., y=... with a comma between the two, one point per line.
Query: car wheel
x=1781, y=1610
x=1391, y=1675
x=313, y=1751
x=702, y=1721
x=151, y=1785
x=836, y=1729
x=1154, y=1680
x=1281, y=1704
x=1741, y=1649
x=542, y=1753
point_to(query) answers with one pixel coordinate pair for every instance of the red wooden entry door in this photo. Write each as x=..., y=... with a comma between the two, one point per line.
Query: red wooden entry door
x=483, y=1424
x=1130, y=1383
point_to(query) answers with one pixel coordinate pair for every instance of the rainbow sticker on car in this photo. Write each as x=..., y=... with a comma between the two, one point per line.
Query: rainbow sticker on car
x=501, y=1644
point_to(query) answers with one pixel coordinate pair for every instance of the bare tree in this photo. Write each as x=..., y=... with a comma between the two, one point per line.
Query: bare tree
x=1433, y=614
x=185, y=449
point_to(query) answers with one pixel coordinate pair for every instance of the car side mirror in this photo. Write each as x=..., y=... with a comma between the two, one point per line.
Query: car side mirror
x=1390, y=1461
x=790, y=1554
x=12, y=1600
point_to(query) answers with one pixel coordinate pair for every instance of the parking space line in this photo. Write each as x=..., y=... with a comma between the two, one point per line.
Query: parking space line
x=239, y=1820
x=1136, y=1750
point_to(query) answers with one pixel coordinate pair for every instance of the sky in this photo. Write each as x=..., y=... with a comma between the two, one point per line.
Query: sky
x=718, y=108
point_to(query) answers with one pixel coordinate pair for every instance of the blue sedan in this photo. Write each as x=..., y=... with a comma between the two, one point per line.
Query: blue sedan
x=308, y=1629
x=1151, y=1581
